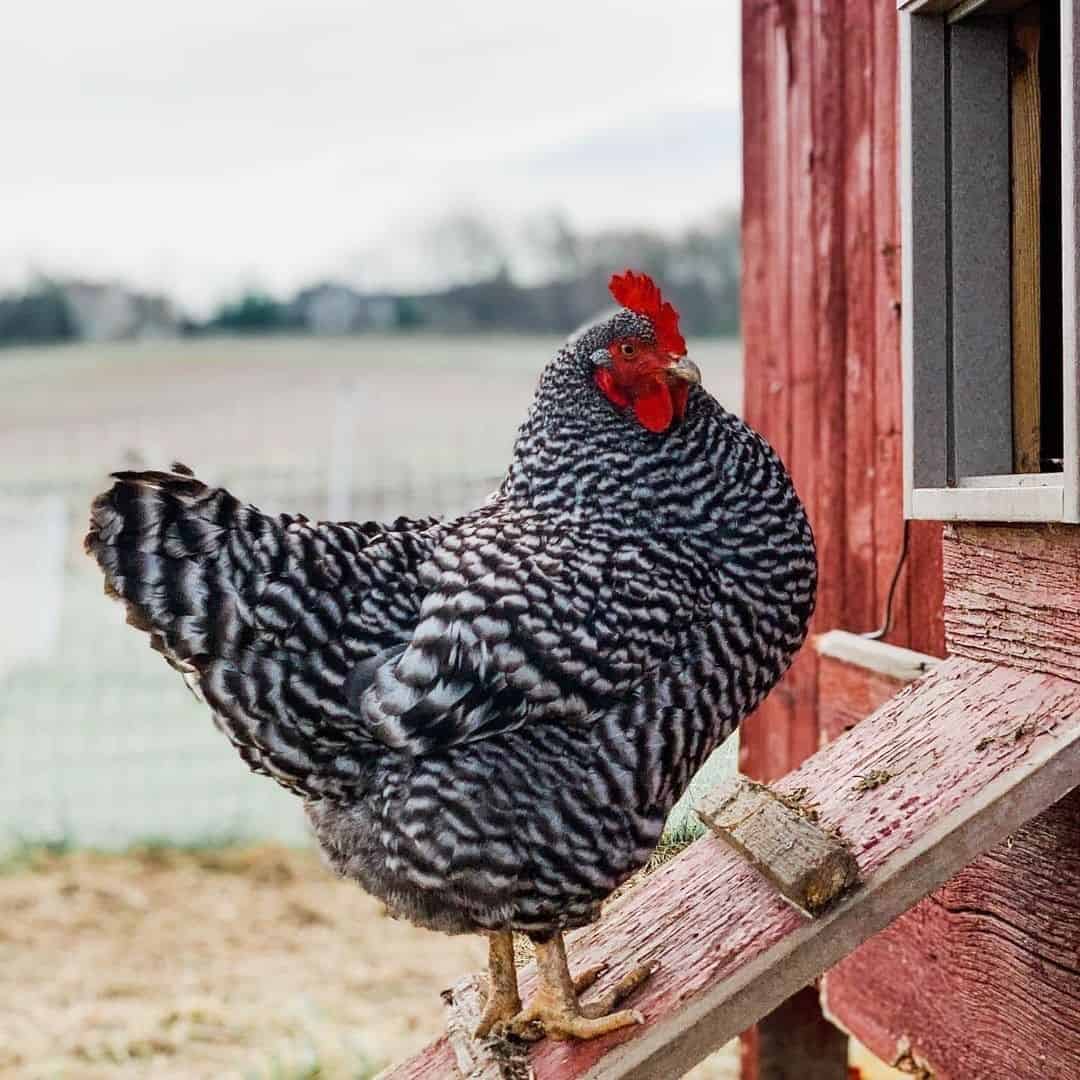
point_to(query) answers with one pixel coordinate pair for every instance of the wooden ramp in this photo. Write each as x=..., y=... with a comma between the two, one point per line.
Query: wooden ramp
x=943, y=772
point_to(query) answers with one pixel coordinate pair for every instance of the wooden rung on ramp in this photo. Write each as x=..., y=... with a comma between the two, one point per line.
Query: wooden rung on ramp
x=946, y=770
x=779, y=836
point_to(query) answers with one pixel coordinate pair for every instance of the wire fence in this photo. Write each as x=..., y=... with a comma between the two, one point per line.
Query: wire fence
x=104, y=745
x=101, y=743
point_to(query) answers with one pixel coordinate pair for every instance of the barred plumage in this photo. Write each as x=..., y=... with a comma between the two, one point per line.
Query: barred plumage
x=489, y=717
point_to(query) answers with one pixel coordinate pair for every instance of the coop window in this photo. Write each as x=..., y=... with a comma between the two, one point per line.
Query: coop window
x=989, y=156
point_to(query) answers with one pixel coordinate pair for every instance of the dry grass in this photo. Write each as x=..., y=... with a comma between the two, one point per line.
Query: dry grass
x=250, y=963
x=235, y=963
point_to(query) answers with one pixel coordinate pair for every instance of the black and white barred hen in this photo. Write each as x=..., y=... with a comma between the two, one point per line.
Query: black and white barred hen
x=491, y=717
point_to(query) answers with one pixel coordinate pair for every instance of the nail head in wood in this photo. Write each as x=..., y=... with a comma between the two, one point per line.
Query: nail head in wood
x=779, y=836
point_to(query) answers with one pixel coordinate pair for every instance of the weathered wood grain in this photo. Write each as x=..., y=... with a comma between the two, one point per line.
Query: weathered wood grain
x=797, y=19
x=888, y=450
x=948, y=769
x=1025, y=115
x=862, y=607
x=926, y=594
x=765, y=292
x=995, y=954
x=1013, y=595
x=850, y=693
x=809, y=866
x=829, y=514
x=480, y=1059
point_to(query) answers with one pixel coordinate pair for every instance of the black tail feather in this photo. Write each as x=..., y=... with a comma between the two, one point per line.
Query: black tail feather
x=261, y=614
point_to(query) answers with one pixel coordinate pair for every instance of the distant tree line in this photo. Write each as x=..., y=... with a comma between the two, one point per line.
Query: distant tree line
x=548, y=279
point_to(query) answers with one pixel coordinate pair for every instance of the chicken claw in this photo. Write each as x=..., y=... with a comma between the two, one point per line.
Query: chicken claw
x=555, y=1010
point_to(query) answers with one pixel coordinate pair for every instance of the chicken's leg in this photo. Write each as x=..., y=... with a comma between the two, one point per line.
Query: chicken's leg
x=554, y=1008
x=503, y=1000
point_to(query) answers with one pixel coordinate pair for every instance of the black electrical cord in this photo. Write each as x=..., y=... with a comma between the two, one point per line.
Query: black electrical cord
x=877, y=635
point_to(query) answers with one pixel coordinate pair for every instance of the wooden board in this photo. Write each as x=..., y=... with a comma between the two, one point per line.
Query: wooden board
x=798, y=28
x=1000, y=944
x=1013, y=595
x=1026, y=168
x=765, y=286
x=862, y=609
x=849, y=693
x=809, y=866
x=947, y=770
x=888, y=450
x=926, y=591
x=829, y=514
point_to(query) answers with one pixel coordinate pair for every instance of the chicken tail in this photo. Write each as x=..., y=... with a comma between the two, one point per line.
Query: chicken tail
x=159, y=538
x=249, y=608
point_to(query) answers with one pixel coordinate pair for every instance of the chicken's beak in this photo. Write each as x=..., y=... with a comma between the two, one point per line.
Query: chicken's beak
x=684, y=368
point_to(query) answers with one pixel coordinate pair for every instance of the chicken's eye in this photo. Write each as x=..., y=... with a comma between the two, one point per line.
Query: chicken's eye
x=628, y=348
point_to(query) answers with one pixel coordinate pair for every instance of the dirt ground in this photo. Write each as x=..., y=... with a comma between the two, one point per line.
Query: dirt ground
x=250, y=963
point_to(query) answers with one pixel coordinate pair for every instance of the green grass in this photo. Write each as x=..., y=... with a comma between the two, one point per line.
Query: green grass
x=27, y=855
x=30, y=854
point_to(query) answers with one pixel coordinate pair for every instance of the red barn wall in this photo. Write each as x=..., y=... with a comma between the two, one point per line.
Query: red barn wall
x=821, y=326
x=821, y=315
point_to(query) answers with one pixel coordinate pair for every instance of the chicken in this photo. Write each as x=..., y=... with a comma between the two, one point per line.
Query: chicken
x=489, y=718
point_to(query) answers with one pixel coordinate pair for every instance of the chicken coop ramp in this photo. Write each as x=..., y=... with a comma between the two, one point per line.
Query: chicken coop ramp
x=944, y=771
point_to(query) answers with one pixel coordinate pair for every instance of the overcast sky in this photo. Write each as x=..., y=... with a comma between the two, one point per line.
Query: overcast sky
x=207, y=145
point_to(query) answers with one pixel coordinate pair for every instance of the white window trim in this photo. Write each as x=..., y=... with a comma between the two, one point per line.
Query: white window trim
x=1040, y=496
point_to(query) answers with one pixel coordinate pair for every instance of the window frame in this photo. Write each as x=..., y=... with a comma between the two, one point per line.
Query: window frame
x=943, y=200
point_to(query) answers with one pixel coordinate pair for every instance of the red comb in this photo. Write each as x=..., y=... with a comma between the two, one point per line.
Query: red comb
x=640, y=293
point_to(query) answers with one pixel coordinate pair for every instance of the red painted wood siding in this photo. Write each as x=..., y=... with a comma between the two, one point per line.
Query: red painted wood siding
x=983, y=978
x=821, y=318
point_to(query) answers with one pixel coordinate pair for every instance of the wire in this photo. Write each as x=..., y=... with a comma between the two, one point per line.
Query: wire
x=881, y=631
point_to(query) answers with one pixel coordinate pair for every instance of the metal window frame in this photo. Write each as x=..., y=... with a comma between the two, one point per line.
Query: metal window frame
x=956, y=326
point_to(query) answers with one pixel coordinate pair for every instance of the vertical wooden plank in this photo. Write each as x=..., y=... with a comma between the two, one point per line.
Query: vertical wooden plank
x=888, y=442
x=1051, y=255
x=786, y=406
x=926, y=588
x=1026, y=195
x=861, y=607
x=803, y=734
x=806, y=1047
x=829, y=513
x=1070, y=236
x=981, y=323
x=766, y=70
x=755, y=208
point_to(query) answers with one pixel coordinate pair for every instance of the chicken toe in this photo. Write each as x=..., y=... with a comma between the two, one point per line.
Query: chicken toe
x=555, y=1010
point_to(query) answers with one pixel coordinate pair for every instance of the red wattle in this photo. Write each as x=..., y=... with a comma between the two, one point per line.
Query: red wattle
x=654, y=409
x=680, y=391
